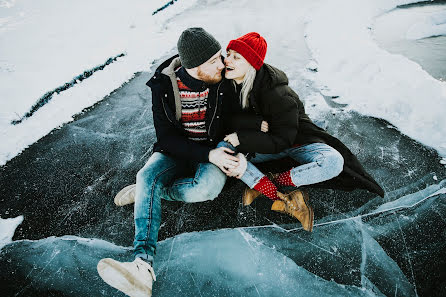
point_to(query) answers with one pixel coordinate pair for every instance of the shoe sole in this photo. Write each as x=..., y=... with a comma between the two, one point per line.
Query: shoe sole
x=120, y=278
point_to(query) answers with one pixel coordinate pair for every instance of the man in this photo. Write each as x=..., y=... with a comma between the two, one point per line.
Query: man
x=187, y=92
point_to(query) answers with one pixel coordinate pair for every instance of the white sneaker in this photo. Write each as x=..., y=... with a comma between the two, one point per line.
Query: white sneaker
x=132, y=278
x=126, y=196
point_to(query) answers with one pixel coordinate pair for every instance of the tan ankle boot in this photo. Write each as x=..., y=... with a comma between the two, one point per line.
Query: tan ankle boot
x=249, y=195
x=296, y=205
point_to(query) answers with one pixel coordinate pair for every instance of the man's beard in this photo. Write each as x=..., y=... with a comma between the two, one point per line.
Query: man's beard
x=207, y=78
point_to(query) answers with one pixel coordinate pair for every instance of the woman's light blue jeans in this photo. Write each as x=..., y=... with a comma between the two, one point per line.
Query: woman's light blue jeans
x=320, y=162
x=163, y=177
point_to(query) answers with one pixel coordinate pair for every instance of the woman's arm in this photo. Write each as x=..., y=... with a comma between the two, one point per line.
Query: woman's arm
x=283, y=126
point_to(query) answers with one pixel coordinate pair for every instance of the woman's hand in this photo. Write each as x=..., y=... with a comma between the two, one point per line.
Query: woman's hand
x=222, y=158
x=232, y=139
x=264, y=127
x=241, y=168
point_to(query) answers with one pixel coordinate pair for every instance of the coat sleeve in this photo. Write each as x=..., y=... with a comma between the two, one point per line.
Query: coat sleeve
x=283, y=126
x=170, y=138
x=243, y=121
x=235, y=119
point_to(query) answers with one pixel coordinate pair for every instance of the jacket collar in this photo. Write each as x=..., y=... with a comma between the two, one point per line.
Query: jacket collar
x=191, y=82
x=170, y=72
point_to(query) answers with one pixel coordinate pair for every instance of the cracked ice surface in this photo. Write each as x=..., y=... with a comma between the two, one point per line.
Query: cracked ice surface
x=345, y=258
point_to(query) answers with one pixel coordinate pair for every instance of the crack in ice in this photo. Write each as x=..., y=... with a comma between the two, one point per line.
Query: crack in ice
x=408, y=256
x=170, y=254
x=195, y=284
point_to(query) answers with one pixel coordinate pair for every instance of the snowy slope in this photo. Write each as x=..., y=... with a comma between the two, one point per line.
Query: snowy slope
x=46, y=44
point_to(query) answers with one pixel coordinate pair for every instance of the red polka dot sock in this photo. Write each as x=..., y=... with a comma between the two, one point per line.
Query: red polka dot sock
x=284, y=179
x=267, y=188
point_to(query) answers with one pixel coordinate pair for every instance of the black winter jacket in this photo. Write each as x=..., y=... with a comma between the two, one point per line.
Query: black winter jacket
x=166, y=107
x=272, y=100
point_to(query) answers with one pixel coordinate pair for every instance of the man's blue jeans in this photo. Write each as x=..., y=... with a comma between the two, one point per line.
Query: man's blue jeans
x=163, y=177
x=320, y=162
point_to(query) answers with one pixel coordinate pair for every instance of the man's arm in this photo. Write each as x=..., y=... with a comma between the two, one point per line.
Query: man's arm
x=176, y=143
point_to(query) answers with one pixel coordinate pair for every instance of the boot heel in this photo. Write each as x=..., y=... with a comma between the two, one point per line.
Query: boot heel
x=249, y=195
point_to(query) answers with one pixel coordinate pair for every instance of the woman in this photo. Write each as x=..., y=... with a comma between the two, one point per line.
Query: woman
x=263, y=94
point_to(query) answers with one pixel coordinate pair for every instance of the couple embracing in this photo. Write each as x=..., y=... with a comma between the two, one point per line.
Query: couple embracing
x=217, y=115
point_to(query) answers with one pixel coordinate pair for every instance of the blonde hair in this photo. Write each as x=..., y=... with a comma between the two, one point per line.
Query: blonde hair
x=247, y=84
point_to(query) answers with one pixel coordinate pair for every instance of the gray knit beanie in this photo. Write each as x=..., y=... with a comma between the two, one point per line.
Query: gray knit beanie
x=196, y=46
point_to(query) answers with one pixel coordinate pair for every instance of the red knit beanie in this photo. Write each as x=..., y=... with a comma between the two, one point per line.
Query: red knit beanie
x=252, y=47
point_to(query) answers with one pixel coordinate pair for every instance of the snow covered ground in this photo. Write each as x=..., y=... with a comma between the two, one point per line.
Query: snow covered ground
x=371, y=80
x=7, y=229
x=46, y=44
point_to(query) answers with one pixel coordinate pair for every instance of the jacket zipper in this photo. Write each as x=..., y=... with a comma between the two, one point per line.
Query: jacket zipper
x=164, y=108
x=215, y=111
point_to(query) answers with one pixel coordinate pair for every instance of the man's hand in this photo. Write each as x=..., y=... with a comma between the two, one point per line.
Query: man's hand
x=232, y=139
x=221, y=158
x=264, y=127
x=241, y=168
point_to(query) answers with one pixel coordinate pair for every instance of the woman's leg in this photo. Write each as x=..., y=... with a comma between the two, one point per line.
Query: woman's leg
x=254, y=178
x=320, y=162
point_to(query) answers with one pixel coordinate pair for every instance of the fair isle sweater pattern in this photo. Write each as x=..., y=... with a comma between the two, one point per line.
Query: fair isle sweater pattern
x=193, y=111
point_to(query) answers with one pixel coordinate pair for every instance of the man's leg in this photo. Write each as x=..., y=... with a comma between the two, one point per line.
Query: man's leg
x=206, y=184
x=320, y=162
x=151, y=181
x=135, y=278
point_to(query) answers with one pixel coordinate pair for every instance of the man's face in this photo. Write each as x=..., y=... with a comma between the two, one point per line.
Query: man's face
x=210, y=71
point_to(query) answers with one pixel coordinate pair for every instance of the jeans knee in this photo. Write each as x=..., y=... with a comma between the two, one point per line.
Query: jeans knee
x=142, y=175
x=334, y=162
x=211, y=191
x=206, y=191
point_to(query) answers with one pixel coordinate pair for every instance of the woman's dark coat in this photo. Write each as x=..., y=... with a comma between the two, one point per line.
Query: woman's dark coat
x=272, y=100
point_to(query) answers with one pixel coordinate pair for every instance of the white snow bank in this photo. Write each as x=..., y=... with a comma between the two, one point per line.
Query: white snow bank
x=7, y=229
x=431, y=25
x=45, y=44
x=371, y=80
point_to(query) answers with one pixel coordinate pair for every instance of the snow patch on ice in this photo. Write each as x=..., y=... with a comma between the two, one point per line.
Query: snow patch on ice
x=371, y=80
x=7, y=4
x=432, y=25
x=7, y=229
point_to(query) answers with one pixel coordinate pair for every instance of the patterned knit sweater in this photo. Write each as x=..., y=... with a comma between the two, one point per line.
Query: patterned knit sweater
x=193, y=106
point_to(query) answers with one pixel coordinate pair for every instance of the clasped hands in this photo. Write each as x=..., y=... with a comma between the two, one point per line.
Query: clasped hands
x=231, y=165
x=223, y=158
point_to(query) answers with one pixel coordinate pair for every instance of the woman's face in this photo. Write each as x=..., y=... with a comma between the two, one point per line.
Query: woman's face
x=236, y=66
